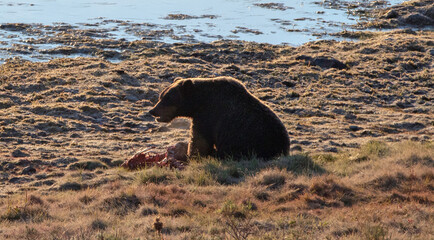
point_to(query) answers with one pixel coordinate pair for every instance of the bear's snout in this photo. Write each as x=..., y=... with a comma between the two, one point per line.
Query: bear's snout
x=163, y=113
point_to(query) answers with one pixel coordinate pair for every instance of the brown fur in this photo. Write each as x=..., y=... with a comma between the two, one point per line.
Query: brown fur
x=227, y=120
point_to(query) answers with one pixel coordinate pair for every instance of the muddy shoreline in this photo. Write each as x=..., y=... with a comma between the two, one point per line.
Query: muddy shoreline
x=116, y=40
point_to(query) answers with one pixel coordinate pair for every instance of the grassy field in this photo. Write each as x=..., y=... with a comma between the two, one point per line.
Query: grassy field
x=359, y=115
x=380, y=191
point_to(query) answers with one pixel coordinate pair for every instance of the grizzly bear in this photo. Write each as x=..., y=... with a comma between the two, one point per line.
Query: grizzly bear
x=227, y=120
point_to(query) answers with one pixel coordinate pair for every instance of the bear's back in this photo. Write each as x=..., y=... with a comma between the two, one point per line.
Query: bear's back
x=220, y=83
x=242, y=123
x=226, y=89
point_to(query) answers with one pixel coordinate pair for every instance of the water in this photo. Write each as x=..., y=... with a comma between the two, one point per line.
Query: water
x=294, y=22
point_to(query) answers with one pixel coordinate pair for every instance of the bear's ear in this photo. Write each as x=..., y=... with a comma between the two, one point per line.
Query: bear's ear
x=187, y=86
x=177, y=79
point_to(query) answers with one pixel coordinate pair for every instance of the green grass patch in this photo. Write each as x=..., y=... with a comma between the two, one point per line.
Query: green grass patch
x=373, y=150
x=155, y=175
x=210, y=171
x=300, y=164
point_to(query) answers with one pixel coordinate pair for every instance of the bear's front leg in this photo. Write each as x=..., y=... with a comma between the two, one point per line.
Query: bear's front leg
x=199, y=145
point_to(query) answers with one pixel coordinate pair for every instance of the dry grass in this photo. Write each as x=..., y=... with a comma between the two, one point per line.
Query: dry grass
x=74, y=120
x=387, y=194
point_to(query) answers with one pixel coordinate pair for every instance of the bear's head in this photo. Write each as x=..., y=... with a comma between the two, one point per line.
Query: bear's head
x=173, y=102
